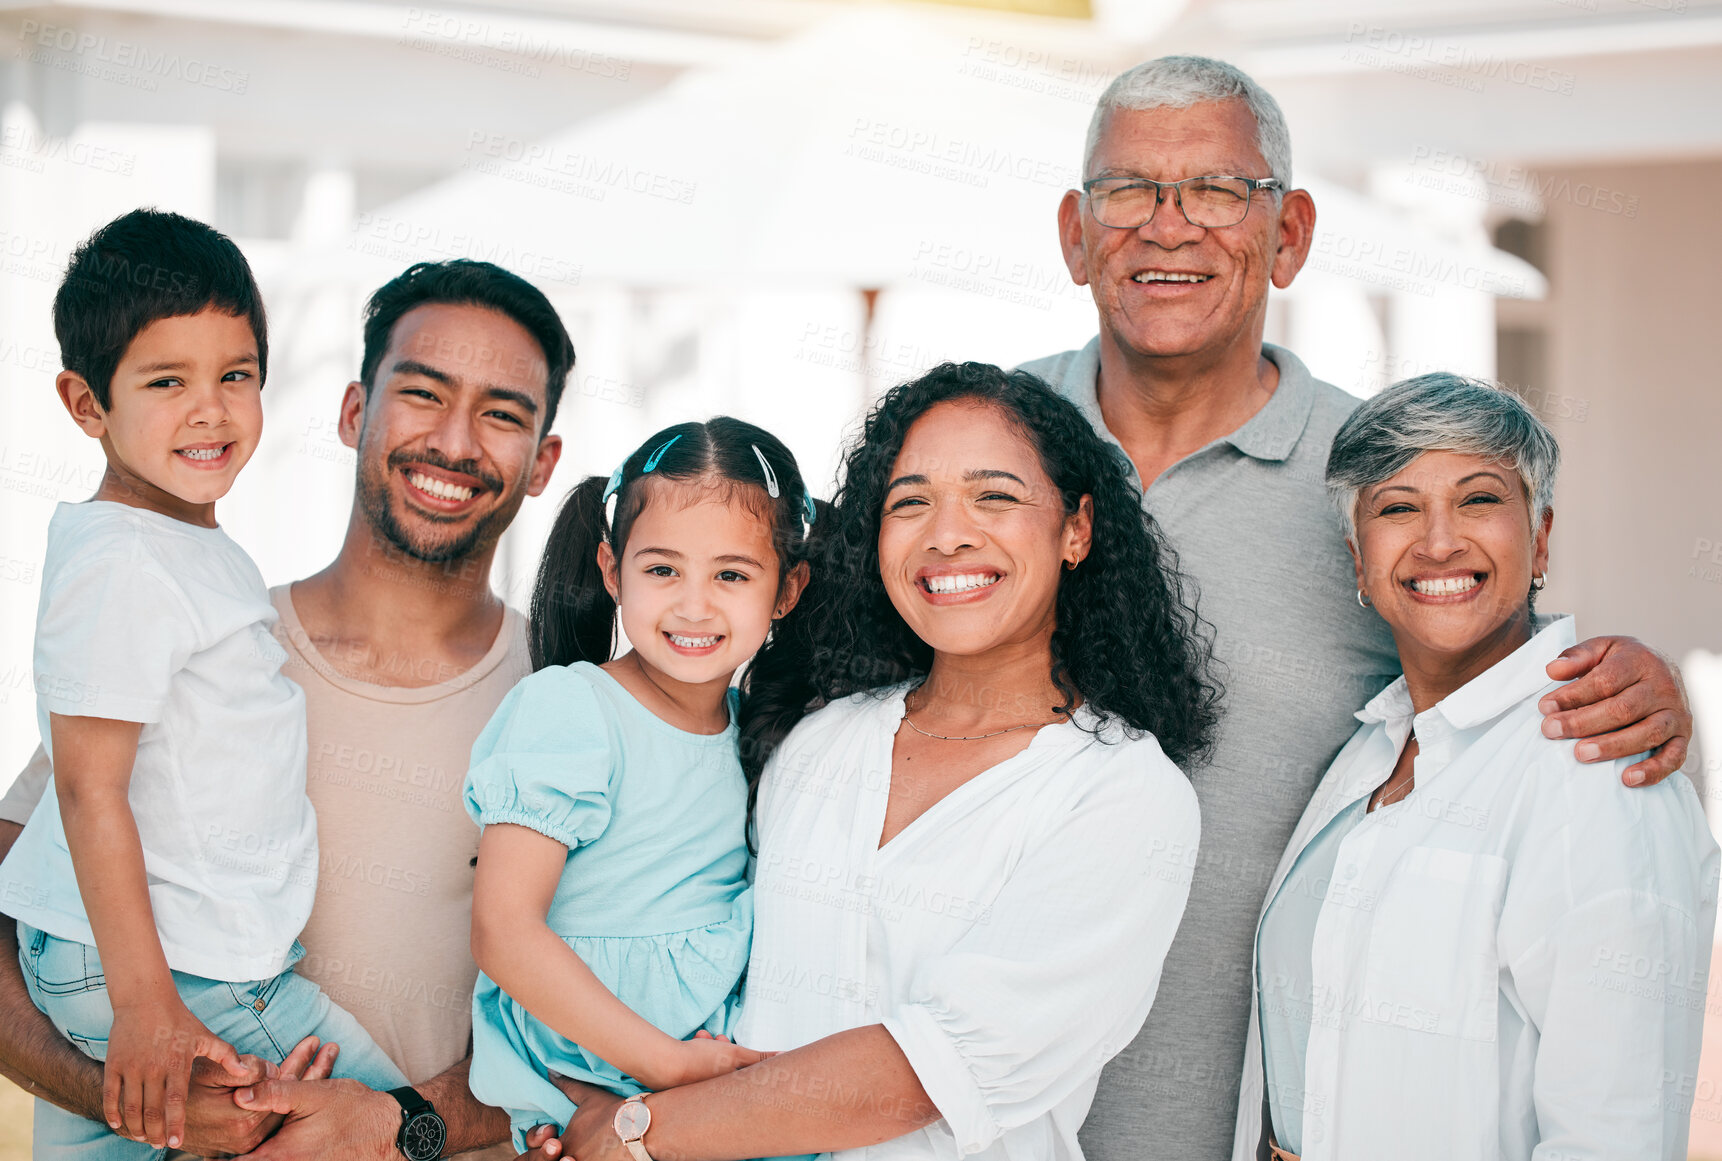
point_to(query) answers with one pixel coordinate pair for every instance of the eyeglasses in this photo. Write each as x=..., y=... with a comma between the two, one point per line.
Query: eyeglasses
x=1213, y=202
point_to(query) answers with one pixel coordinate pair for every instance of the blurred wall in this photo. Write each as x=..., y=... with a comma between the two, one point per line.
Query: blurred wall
x=1633, y=390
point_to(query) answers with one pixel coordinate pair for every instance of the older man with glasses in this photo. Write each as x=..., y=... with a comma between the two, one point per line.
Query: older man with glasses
x=1186, y=216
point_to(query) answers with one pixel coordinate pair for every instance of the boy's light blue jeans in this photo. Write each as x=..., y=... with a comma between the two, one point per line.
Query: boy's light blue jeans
x=264, y=1017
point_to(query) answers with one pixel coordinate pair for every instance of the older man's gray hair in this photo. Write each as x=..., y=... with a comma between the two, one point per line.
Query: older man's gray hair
x=1440, y=412
x=1177, y=82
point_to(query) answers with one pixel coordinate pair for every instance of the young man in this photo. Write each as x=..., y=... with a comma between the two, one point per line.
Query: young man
x=403, y=652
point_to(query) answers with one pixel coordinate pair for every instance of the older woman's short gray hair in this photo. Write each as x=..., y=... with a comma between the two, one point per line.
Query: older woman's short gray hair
x=1440, y=412
x=1177, y=82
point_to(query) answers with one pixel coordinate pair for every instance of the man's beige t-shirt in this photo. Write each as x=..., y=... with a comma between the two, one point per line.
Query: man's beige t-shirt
x=390, y=934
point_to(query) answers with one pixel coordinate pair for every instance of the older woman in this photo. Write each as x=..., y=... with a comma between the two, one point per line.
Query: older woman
x=973, y=858
x=1475, y=946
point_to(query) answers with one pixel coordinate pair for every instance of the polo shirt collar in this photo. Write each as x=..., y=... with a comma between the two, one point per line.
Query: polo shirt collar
x=1270, y=434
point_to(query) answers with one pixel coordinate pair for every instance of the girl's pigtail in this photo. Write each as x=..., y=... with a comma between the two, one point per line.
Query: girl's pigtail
x=780, y=680
x=573, y=616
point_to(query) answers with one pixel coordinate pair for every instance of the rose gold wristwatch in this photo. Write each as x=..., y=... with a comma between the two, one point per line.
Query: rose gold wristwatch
x=633, y=1118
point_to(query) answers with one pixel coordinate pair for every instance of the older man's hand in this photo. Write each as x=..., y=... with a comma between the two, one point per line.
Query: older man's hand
x=1622, y=698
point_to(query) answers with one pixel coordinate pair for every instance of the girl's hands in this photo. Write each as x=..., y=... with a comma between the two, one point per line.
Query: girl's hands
x=148, y=1071
x=704, y=1057
x=541, y=1141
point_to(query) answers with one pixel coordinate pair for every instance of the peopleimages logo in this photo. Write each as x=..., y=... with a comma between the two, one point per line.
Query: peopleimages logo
x=141, y=59
x=428, y=28
x=401, y=239
x=19, y=144
x=1514, y=186
x=1448, y=62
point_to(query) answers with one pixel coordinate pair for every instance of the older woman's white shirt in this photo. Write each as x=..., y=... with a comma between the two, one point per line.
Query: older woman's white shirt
x=1510, y=963
x=1010, y=939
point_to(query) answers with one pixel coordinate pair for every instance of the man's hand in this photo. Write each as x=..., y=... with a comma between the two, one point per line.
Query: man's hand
x=325, y=1118
x=151, y=1049
x=217, y=1127
x=1627, y=698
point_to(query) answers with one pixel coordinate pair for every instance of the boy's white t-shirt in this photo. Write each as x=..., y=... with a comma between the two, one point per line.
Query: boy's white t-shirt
x=144, y=618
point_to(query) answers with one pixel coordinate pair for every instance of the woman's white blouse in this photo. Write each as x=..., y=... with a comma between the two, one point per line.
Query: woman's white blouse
x=1010, y=939
x=1511, y=962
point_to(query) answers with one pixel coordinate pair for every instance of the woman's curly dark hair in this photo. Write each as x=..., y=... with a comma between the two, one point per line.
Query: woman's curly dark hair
x=1128, y=640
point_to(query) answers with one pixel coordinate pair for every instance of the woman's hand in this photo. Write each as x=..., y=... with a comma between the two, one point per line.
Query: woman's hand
x=590, y=1136
x=151, y=1048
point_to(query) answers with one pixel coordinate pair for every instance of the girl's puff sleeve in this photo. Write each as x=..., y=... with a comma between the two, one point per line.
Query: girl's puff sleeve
x=545, y=760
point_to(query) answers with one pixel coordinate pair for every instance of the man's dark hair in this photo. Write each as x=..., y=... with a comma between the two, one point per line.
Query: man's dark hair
x=466, y=282
x=141, y=267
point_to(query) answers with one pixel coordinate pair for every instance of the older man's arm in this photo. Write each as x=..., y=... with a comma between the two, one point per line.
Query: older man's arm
x=1623, y=698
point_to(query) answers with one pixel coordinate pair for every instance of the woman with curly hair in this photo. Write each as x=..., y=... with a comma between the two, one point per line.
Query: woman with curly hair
x=974, y=844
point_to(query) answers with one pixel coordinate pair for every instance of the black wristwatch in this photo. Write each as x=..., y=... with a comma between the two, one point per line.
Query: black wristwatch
x=422, y=1134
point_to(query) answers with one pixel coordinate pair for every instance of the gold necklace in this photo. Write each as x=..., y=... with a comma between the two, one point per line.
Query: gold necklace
x=910, y=722
x=1409, y=784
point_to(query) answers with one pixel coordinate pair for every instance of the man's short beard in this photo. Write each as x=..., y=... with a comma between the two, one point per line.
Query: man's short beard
x=375, y=504
x=381, y=516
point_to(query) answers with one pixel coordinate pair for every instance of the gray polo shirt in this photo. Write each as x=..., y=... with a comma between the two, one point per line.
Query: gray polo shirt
x=1250, y=520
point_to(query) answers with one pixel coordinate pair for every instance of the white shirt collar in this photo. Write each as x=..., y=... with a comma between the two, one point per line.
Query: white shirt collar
x=1491, y=693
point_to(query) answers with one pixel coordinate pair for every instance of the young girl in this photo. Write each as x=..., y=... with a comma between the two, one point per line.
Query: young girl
x=611, y=913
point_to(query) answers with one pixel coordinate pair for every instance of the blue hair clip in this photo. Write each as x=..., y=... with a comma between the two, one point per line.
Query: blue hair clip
x=808, y=512
x=614, y=484
x=652, y=460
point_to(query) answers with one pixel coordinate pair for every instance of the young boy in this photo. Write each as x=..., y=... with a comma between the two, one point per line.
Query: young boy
x=178, y=841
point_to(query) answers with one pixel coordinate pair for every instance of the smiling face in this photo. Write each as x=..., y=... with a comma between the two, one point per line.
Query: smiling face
x=185, y=414
x=974, y=534
x=1169, y=288
x=448, y=436
x=697, y=584
x=1446, y=550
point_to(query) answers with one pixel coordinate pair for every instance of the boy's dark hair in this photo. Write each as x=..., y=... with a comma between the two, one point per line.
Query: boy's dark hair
x=141, y=267
x=467, y=282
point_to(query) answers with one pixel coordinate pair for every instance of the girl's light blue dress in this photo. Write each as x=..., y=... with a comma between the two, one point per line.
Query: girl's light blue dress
x=654, y=895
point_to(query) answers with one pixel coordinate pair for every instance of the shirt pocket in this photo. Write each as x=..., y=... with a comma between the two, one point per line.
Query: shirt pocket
x=1432, y=963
